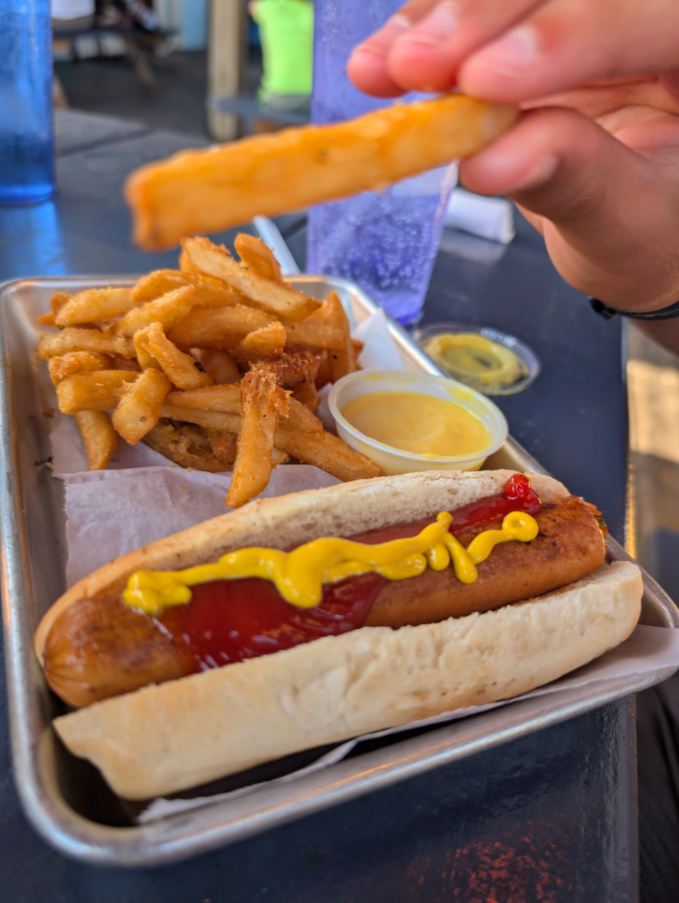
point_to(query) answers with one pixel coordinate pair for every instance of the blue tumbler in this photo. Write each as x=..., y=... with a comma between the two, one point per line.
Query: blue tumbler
x=26, y=144
x=385, y=241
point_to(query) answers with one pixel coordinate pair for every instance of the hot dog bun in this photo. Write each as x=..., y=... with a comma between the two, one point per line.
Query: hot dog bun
x=145, y=742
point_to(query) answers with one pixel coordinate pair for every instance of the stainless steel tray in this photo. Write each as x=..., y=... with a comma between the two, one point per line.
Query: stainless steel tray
x=63, y=797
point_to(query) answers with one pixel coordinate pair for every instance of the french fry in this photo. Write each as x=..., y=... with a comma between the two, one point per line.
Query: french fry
x=99, y=437
x=326, y=451
x=94, y=305
x=183, y=370
x=209, y=292
x=144, y=356
x=313, y=334
x=209, y=420
x=323, y=376
x=268, y=341
x=97, y=390
x=262, y=400
x=308, y=395
x=341, y=360
x=224, y=445
x=258, y=257
x=220, y=327
x=139, y=408
x=273, y=296
x=75, y=362
x=227, y=400
x=169, y=309
x=74, y=338
x=57, y=301
x=219, y=364
x=203, y=191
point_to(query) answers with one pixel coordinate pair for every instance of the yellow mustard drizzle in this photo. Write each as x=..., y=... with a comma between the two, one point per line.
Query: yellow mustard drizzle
x=299, y=575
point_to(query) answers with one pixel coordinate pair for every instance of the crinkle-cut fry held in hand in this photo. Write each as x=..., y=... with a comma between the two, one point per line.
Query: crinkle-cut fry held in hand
x=218, y=188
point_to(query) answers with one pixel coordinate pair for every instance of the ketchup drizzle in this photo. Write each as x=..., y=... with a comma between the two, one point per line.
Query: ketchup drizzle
x=232, y=620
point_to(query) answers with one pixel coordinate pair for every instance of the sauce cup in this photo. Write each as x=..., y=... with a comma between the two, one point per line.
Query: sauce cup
x=393, y=460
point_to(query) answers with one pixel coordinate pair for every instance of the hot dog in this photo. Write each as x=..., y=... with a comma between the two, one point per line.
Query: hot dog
x=95, y=645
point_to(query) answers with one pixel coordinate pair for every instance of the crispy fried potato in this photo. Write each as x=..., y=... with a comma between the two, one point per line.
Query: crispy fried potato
x=219, y=364
x=341, y=360
x=209, y=292
x=291, y=368
x=94, y=305
x=258, y=257
x=57, y=301
x=262, y=401
x=75, y=362
x=219, y=327
x=96, y=390
x=99, y=437
x=308, y=395
x=169, y=309
x=203, y=191
x=209, y=420
x=313, y=334
x=326, y=451
x=139, y=408
x=273, y=296
x=268, y=341
x=74, y=338
x=183, y=370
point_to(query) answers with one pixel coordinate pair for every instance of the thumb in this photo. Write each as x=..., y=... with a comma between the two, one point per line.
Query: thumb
x=603, y=205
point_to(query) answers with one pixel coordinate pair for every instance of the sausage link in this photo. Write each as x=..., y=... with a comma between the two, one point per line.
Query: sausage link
x=101, y=647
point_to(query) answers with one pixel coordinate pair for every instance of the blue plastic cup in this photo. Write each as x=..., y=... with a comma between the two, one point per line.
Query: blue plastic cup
x=26, y=143
x=384, y=241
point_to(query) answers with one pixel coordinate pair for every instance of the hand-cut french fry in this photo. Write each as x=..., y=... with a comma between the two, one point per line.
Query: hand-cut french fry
x=210, y=292
x=57, y=301
x=167, y=310
x=139, y=408
x=325, y=451
x=258, y=257
x=341, y=360
x=73, y=338
x=94, y=305
x=209, y=420
x=227, y=400
x=313, y=334
x=273, y=296
x=265, y=342
x=292, y=367
x=218, y=327
x=262, y=400
x=323, y=376
x=183, y=370
x=308, y=395
x=99, y=437
x=75, y=362
x=144, y=356
x=219, y=364
x=217, y=188
x=96, y=390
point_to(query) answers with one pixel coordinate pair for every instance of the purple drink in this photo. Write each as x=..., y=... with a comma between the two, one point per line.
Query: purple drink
x=386, y=241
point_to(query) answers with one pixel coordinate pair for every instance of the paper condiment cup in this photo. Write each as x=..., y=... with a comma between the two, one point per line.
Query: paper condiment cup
x=393, y=460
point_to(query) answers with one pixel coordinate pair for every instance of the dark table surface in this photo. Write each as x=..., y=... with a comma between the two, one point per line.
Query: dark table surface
x=549, y=817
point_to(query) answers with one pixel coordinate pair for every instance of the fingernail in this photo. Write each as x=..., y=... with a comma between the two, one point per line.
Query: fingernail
x=437, y=27
x=539, y=175
x=380, y=43
x=513, y=53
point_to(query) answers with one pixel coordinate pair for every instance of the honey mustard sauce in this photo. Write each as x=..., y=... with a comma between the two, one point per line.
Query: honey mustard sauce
x=414, y=422
x=299, y=575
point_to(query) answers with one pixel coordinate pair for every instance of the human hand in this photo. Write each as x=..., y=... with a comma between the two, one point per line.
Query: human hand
x=599, y=174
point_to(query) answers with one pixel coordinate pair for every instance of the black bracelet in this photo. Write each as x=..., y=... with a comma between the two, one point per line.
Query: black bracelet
x=666, y=313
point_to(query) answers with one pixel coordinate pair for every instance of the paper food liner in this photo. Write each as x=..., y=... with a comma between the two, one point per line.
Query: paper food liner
x=141, y=498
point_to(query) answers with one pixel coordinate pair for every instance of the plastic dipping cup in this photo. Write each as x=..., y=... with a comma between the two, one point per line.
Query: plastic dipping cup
x=392, y=460
x=387, y=241
x=26, y=148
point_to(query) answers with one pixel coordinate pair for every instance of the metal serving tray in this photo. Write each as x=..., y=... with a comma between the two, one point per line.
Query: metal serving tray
x=65, y=798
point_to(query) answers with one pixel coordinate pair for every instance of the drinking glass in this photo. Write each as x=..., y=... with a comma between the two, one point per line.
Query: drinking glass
x=384, y=241
x=26, y=148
